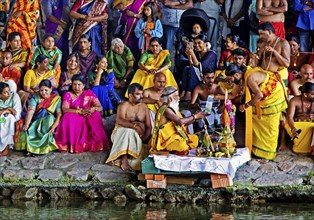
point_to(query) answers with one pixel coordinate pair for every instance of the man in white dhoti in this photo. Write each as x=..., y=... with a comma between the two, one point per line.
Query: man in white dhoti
x=10, y=112
x=132, y=128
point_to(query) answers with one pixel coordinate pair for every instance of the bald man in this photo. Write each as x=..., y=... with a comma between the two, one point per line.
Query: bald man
x=306, y=74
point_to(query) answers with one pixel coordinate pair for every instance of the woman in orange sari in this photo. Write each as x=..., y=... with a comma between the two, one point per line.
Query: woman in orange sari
x=24, y=20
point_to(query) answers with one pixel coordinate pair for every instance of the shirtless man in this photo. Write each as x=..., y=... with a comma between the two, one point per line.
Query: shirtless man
x=273, y=11
x=266, y=87
x=306, y=74
x=152, y=95
x=201, y=92
x=300, y=116
x=133, y=127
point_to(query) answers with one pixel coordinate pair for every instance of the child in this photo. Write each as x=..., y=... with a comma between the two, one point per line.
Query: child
x=196, y=30
x=53, y=53
x=148, y=26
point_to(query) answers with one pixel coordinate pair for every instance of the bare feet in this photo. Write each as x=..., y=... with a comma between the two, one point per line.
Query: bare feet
x=282, y=147
x=5, y=152
x=182, y=94
x=125, y=163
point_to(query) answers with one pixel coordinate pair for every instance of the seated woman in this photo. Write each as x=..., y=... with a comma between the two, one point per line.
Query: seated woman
x=81, y=110
x=232, y=42
x=33, y=77
x=121, y=60
x=86, y=55
x=10, y=112
x=43, y=115
x=101, y=81
x=297, y=59
x=200, y=59
x=300, y=116
x=73, y=67
x=151, y=62
x=19, y=55
x=53, y=53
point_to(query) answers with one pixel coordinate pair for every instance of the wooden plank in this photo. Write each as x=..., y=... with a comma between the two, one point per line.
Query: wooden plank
x=180, y=180
x=140, y=177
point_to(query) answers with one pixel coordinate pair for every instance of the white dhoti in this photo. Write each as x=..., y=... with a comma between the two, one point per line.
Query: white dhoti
x=126, y=141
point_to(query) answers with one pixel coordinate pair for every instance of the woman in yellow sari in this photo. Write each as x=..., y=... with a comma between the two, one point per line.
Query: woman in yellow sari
x=151, y=62
x=40, y=72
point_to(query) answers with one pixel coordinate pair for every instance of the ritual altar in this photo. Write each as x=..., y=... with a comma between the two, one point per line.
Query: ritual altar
x=222, y=170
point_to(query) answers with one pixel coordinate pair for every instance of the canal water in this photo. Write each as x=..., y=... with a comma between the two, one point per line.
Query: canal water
x=78, y=209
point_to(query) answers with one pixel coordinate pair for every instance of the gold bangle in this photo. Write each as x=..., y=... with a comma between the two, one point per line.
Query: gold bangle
x=134, y=126
x=194, y=117
x=293, y=129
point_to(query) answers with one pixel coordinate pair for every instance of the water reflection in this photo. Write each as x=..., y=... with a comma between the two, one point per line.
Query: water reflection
x=81, y=209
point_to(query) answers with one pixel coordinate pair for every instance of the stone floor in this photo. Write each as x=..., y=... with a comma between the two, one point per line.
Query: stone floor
x=89, y=168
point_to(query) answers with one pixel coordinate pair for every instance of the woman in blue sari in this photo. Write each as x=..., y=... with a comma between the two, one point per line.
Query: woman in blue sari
x=91, y=19
x=101, y=81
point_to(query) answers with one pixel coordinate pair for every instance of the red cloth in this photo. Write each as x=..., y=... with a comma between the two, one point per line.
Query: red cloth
x=279, y=28
x=13, y=74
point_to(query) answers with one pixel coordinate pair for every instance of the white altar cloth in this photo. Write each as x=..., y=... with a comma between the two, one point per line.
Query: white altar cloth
x=219, y=165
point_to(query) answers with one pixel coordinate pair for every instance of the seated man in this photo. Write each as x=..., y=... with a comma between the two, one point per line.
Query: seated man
x=152, y=95
x=7, y=72
x=132, y=129
x=201, y=92
x=300, y=116
x=169, y=132
x=306, y=74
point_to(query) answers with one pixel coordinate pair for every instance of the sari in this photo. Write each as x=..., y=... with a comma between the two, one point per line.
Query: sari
x=14, y=74
x=38, y=139
x=97, y=31
x=87, y=62
x=170, y=136
x=193, y=76
x=77, y=133
x=108, y=98
x=130, y=39
x=26, y=23
x=120, y=64
x=32, y=79
x=153, y=63
x=7, y=122
x=54, y=56
x=63, y=78
x=18, y=56
x=61, y=10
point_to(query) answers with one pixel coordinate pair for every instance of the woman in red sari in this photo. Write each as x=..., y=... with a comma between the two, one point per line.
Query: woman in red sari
x=232, y=42
x=81, y=128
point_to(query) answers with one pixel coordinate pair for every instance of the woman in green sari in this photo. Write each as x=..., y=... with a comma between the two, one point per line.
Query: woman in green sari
x=43, y=116
x=120, y=60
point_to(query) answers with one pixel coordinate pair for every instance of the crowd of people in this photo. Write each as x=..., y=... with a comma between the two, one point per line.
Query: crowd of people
x=96, y=58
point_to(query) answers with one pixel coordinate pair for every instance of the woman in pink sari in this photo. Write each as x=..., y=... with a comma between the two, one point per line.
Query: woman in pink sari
x=81, y=128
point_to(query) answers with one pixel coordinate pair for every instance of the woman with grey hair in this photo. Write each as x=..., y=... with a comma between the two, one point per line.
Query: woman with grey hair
x=121, y=60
